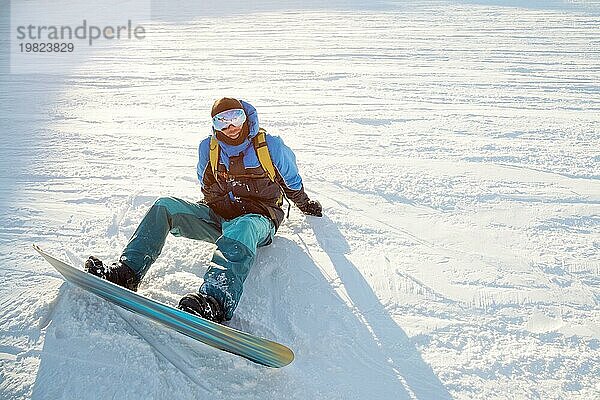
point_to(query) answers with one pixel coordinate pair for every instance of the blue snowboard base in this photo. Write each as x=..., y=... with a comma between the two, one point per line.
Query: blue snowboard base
x=253, y=348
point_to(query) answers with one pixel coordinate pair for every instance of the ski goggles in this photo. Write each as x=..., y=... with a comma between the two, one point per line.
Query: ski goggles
x=235, y=117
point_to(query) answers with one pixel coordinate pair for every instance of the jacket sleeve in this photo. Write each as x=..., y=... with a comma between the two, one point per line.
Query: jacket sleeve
x=203, y=159
x=289, y=178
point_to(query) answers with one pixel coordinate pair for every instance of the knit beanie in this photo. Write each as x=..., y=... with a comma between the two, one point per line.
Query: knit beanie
x=224, y=104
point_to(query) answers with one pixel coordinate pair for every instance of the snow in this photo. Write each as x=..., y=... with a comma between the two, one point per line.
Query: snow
x=453, y=145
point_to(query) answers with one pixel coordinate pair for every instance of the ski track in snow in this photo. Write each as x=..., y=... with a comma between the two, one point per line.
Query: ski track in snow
x=454, y=146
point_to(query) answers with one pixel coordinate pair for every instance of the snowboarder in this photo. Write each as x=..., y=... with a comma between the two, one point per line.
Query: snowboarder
x=244, y=174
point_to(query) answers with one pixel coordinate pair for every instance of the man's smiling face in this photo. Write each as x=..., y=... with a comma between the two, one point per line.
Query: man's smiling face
x=232, y=132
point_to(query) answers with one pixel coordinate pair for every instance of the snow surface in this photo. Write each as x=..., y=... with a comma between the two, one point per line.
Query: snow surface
x=454, y=146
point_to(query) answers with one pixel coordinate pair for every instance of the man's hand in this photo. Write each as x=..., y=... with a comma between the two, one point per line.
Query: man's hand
x=312, y=207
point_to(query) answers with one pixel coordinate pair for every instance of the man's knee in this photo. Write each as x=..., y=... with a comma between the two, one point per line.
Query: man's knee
x=167, y=202
x=176, y=206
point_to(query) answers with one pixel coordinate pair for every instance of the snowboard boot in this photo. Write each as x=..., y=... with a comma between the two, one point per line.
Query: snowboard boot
x=203, y=306
x=118, y=273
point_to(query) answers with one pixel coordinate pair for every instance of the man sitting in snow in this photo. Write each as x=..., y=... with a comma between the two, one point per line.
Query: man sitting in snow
x=241, y=211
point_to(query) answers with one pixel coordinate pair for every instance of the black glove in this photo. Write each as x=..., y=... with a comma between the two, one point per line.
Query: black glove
x=312, y=207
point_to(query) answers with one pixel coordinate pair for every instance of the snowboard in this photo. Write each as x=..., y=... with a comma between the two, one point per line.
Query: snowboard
x=259, y=350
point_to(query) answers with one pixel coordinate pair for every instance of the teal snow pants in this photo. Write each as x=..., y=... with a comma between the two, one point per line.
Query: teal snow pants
x=236, y=239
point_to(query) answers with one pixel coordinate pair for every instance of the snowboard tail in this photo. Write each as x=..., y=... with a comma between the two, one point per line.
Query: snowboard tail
x=253, y=348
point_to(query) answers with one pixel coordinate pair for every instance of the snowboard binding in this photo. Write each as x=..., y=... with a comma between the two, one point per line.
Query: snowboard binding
x=203, y=306
x=118, y=273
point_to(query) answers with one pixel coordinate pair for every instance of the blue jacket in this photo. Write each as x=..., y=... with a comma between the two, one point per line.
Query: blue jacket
x=242, y=186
